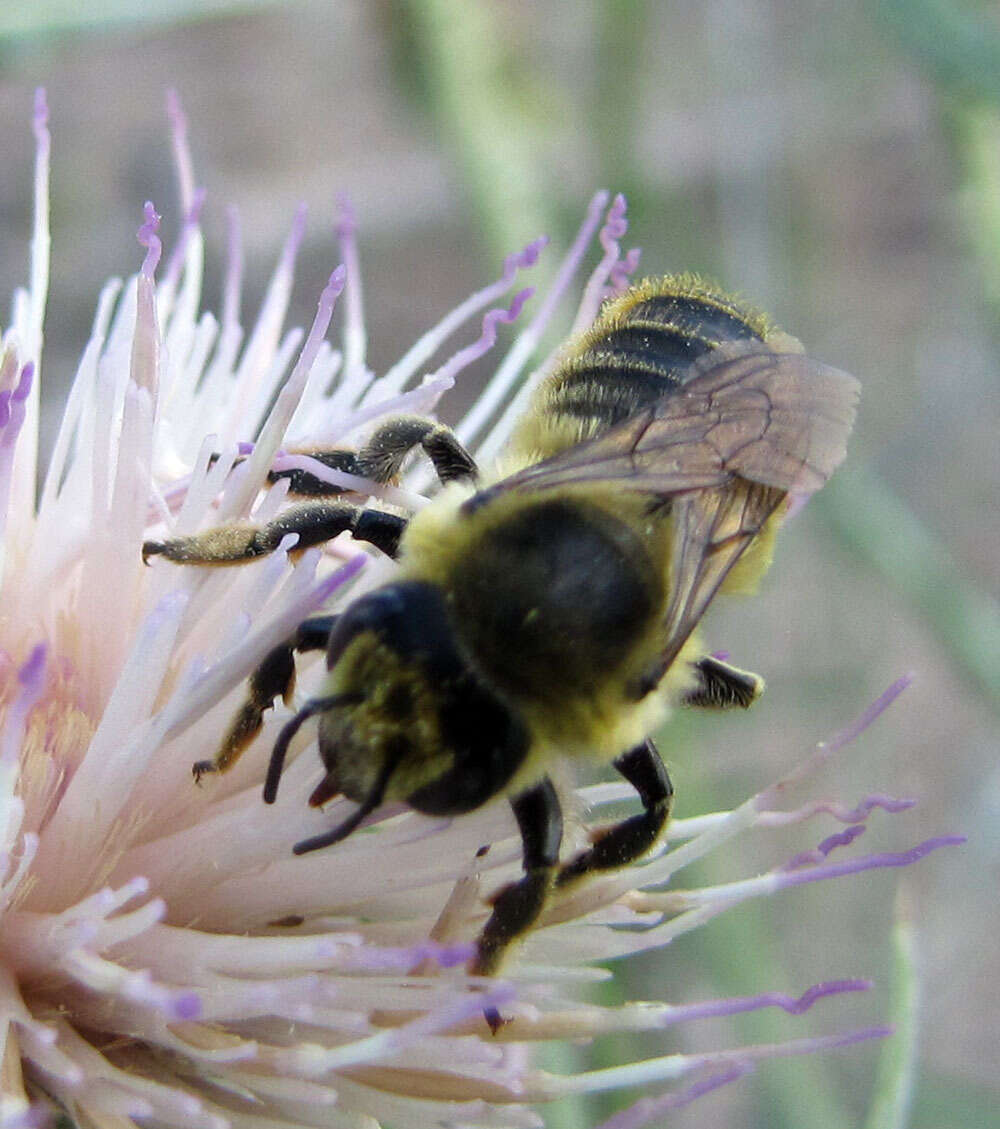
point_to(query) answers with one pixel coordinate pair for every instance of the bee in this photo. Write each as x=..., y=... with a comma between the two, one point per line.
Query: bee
x=551, y=608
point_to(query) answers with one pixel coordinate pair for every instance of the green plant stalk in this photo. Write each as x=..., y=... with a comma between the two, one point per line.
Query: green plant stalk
x=469, y=88
x=977, y=135
x=801, y=1095
x=958, y=45
x=895, y=1078
x=35, y=21
x=876, y=525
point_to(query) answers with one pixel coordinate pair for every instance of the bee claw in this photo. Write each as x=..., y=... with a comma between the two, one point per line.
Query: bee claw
x=495, y=1019
x=200, y=768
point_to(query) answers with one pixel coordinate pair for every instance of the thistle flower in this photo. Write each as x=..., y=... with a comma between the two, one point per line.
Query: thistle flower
x=164, y=958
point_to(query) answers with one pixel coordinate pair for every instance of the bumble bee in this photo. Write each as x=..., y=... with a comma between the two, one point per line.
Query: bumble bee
x=551, y=607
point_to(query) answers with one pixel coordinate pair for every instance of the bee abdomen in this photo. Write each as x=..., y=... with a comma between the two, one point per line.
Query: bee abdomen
x=684, y=307
x=632, y=358
x=641, y=348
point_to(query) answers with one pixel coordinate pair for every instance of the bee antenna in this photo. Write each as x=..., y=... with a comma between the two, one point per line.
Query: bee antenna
x=312, y=707
x=367, y=806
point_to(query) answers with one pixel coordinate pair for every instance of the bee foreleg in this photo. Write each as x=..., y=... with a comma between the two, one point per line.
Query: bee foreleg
x=275, y=677
x=381, y=458
x=633, y=837
x=314, y=522
x=516, y=907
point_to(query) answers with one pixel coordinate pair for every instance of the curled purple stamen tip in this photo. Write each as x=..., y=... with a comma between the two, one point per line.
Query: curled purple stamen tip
x=245, y=447
x=149, y=239
x=526, y=257
x=512, y=311
x=622, y=271
x=819, y=992
x=840, y=839
x=794, y=1005
x=615, y=225
x=870, y=803
x=491, y=319
x=885, y=860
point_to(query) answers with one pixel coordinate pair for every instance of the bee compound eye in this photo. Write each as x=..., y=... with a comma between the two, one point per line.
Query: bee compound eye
x=410, y=618
x=375, y=612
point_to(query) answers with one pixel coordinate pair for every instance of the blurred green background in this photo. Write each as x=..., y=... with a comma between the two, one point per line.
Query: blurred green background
x=840, y=164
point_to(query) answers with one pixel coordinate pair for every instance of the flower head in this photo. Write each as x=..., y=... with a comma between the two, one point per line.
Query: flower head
x=164, y=958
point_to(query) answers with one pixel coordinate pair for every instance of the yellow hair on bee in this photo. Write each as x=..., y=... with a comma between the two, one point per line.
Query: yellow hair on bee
x=616, y=312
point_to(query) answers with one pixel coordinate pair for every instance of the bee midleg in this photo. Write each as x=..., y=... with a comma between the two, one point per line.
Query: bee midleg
x=516, y=907
x=381, y=458
x=275, y=677
x=633, y=837
x=314, y=522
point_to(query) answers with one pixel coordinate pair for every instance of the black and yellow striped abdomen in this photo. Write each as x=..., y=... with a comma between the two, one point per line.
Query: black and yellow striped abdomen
x=638, y=350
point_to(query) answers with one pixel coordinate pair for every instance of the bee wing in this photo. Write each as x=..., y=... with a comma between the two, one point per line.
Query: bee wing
x=778, y=419
x=711, y=528
x=749, y=427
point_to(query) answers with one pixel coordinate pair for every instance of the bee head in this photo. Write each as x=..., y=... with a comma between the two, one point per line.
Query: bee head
x=402, y=716
x=407, y=620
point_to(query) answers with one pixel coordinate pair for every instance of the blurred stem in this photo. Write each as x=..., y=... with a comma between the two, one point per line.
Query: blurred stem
x=622, y=31
x=882, y=530
x=977, y=135
x=96, y=16
x=561, y=1057
x=957, y=44
x=469, y=85
x=894, y=1081
x=739, y=954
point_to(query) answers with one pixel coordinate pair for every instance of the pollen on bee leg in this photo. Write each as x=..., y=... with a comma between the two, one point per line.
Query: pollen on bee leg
x=228, y=544
x=246, y=725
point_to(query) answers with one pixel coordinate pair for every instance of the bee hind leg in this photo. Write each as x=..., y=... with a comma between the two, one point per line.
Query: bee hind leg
x=314, y=522
x=275, y=677
x=517, y=906
x=721, y=686
x=633, y=837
